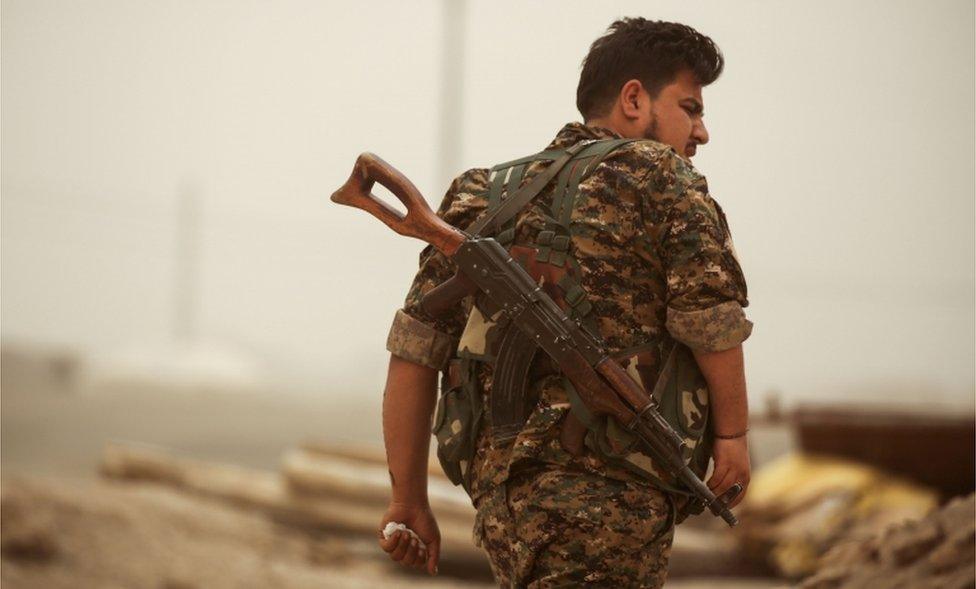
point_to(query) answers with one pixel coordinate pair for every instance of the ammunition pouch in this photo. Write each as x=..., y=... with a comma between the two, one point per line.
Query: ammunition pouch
x=457, y=420
x=681, y=393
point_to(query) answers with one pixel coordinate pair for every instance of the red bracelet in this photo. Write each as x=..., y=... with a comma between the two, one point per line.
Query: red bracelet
x=732, y=436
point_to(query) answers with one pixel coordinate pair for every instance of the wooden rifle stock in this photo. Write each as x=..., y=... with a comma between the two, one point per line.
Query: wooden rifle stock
x=419, y=222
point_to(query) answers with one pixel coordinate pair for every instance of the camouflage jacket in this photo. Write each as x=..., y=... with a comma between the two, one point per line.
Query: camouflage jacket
x=657, y=263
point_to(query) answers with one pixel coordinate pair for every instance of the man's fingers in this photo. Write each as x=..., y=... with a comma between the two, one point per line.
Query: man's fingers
x=434, y=554
x=415, y=554
x=405, y=549
x=717, y=479
x=403, y=543
x=388, y=544
x=421, y=557
x=410, y=553
x=730, y=477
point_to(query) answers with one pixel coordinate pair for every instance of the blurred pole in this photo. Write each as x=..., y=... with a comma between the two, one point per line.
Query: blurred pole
x=452, y=91
x=187, y=254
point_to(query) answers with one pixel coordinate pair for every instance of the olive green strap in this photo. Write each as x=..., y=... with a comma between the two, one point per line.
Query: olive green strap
x=497, y=186
x=602, y=149
x=568, y=185
x=507, y=235
x=561, y=184
x=500, y=211
x=547, y=155
x=515, y=179
x=569, y=197
x=496, y=216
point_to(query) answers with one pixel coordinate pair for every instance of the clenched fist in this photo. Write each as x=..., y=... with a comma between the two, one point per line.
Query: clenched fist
x=402, y=546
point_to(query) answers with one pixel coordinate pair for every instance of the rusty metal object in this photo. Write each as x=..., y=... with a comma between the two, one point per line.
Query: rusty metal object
x=929, y=447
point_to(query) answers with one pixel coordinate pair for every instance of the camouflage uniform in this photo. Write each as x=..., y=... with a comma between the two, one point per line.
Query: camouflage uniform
x=657, y=263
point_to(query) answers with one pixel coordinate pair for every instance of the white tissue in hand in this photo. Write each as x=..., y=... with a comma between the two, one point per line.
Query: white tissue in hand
x=394, y=527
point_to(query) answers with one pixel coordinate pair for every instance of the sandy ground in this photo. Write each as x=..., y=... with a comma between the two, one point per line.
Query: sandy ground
x=101, y=534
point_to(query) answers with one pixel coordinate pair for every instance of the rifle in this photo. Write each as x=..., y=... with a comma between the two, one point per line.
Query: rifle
x=602, y=384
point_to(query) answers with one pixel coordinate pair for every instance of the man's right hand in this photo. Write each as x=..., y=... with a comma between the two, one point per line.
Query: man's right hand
x=731, y=466
x=404, y=548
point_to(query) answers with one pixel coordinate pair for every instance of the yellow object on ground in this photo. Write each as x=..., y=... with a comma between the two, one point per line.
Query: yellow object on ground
x=799, y=505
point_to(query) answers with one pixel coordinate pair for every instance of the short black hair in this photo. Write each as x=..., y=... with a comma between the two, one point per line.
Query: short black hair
x=646, y=50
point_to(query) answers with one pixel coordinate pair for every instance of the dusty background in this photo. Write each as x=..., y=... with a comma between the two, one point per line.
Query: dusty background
x=172, y=273
x=166, y=169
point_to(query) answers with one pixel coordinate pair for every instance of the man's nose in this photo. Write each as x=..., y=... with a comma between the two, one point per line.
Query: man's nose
x=700, y=133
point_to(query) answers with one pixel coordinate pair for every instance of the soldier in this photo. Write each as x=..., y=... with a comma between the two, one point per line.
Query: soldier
x=643, y=256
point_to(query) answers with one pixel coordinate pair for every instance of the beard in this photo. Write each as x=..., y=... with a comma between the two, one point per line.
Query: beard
x=650, y=132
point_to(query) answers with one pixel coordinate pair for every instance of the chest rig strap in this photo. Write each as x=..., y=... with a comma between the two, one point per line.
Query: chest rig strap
x=510, y=404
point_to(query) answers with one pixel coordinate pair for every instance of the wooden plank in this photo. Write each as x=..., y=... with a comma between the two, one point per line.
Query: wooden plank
x=319, y=474
x=366, y=454
x=269, y=492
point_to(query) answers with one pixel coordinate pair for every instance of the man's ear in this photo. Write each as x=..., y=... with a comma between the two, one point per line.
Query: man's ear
x=631, y=98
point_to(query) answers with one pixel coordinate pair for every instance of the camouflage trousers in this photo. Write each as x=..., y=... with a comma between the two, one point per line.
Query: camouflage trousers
x=551, y=527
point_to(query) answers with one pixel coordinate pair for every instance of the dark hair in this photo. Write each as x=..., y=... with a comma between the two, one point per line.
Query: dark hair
x=646, y=50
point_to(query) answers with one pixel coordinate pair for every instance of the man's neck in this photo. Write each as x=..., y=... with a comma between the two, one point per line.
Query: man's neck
x=612, y=125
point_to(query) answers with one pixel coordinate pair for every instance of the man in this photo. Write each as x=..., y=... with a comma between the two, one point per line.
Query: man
x=656, y=261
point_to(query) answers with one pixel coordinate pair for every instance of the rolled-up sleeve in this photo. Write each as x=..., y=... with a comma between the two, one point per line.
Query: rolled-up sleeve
x=415, y=335
x=418, y=342
x=706, y=289
x=714, y=329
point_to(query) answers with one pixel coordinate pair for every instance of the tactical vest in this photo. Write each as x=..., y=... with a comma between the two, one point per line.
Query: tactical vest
x=516, y=362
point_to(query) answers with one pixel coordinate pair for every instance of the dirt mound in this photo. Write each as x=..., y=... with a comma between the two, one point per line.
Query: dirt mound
x=936, y=552
x=101, y=534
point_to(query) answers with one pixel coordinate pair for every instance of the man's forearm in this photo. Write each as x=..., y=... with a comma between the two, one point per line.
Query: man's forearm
x=725, y=373
x=408, y=403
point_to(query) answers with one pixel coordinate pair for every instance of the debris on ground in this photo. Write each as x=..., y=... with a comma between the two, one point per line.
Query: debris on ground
x=935, y=552
x=315, y=489
x=57, y=534
x=157, y=520
x=800, y=506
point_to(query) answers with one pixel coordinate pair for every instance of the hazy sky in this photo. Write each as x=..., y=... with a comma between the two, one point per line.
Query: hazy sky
x=842, y=152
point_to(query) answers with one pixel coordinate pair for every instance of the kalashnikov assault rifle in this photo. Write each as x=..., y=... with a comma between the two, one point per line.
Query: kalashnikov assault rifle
x=603, y=385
